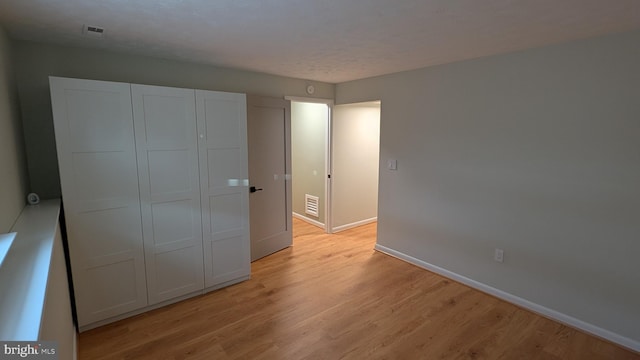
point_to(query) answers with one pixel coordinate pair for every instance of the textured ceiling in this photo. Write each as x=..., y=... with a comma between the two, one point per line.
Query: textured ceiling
x=323, y=40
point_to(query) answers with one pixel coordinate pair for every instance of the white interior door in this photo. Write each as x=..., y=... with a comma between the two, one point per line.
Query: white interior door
x=96, y=154
x=355, y=163
x=222, y=133
x=166, y=142
x=269, y=131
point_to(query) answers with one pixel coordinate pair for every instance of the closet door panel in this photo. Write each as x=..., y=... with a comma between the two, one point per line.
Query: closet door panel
x=221, y=113
x=166, y=141
x=169, y=172
x=98, y=175
x=226, y=214
x=225, y=167
x=96, y=119
x=222, y=128
x=95, y=186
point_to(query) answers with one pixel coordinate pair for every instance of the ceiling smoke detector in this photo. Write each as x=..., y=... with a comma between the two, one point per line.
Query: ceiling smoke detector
x=95, y=31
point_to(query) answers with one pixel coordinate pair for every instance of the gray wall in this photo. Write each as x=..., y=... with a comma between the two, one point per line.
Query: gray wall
x=13, y=178
x=355, y=151
x=535, y=152
x=308, y=152
x=35, y=62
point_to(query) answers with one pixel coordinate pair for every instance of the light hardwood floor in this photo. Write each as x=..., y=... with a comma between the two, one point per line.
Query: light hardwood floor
x=334, y=297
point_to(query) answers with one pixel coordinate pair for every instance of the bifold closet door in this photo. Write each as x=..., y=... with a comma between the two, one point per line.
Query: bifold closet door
x=167, y=147
x=96, y=155
x=222, y=133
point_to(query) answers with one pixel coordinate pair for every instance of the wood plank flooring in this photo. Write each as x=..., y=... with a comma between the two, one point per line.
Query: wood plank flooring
x=334, y=297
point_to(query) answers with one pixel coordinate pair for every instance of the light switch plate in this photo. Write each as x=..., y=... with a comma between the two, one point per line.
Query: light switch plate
x=392, y=164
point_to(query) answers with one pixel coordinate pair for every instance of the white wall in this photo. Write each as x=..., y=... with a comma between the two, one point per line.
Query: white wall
x=36, y=62
x=57, y=321
x=13, y=178
x=308, y=155
x=535, y=152
x=355, y=154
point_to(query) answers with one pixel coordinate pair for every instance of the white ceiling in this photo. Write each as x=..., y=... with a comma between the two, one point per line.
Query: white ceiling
x=323, y=40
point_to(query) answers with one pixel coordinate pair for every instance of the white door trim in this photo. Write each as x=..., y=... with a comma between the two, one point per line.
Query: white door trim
x=328, y=221
x=329, y=102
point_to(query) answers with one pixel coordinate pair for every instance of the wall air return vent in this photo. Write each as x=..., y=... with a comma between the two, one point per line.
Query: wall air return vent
x=93, y=31
x=311, y=205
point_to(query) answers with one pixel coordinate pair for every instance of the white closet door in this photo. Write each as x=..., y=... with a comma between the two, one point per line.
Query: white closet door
x=222, y=129
x=97, y=160
x=167, y=146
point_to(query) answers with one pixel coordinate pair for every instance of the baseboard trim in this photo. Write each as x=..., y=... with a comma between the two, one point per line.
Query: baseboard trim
x=354, y=224
x=531, y=306
x=310, y=221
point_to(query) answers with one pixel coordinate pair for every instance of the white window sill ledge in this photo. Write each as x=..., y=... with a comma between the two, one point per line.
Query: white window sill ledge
x=25, y=271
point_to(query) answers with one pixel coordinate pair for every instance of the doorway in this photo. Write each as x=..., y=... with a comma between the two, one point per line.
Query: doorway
x=335, y=162
x=310, y=170
x=347, y=138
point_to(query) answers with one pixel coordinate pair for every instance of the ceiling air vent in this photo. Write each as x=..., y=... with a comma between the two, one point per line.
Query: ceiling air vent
x=95, y=31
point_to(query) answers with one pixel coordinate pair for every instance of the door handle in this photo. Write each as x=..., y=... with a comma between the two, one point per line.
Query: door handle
x=253, y=189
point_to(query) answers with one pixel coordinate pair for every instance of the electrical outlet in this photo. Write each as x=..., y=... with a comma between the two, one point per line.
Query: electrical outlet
x=498, y=255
